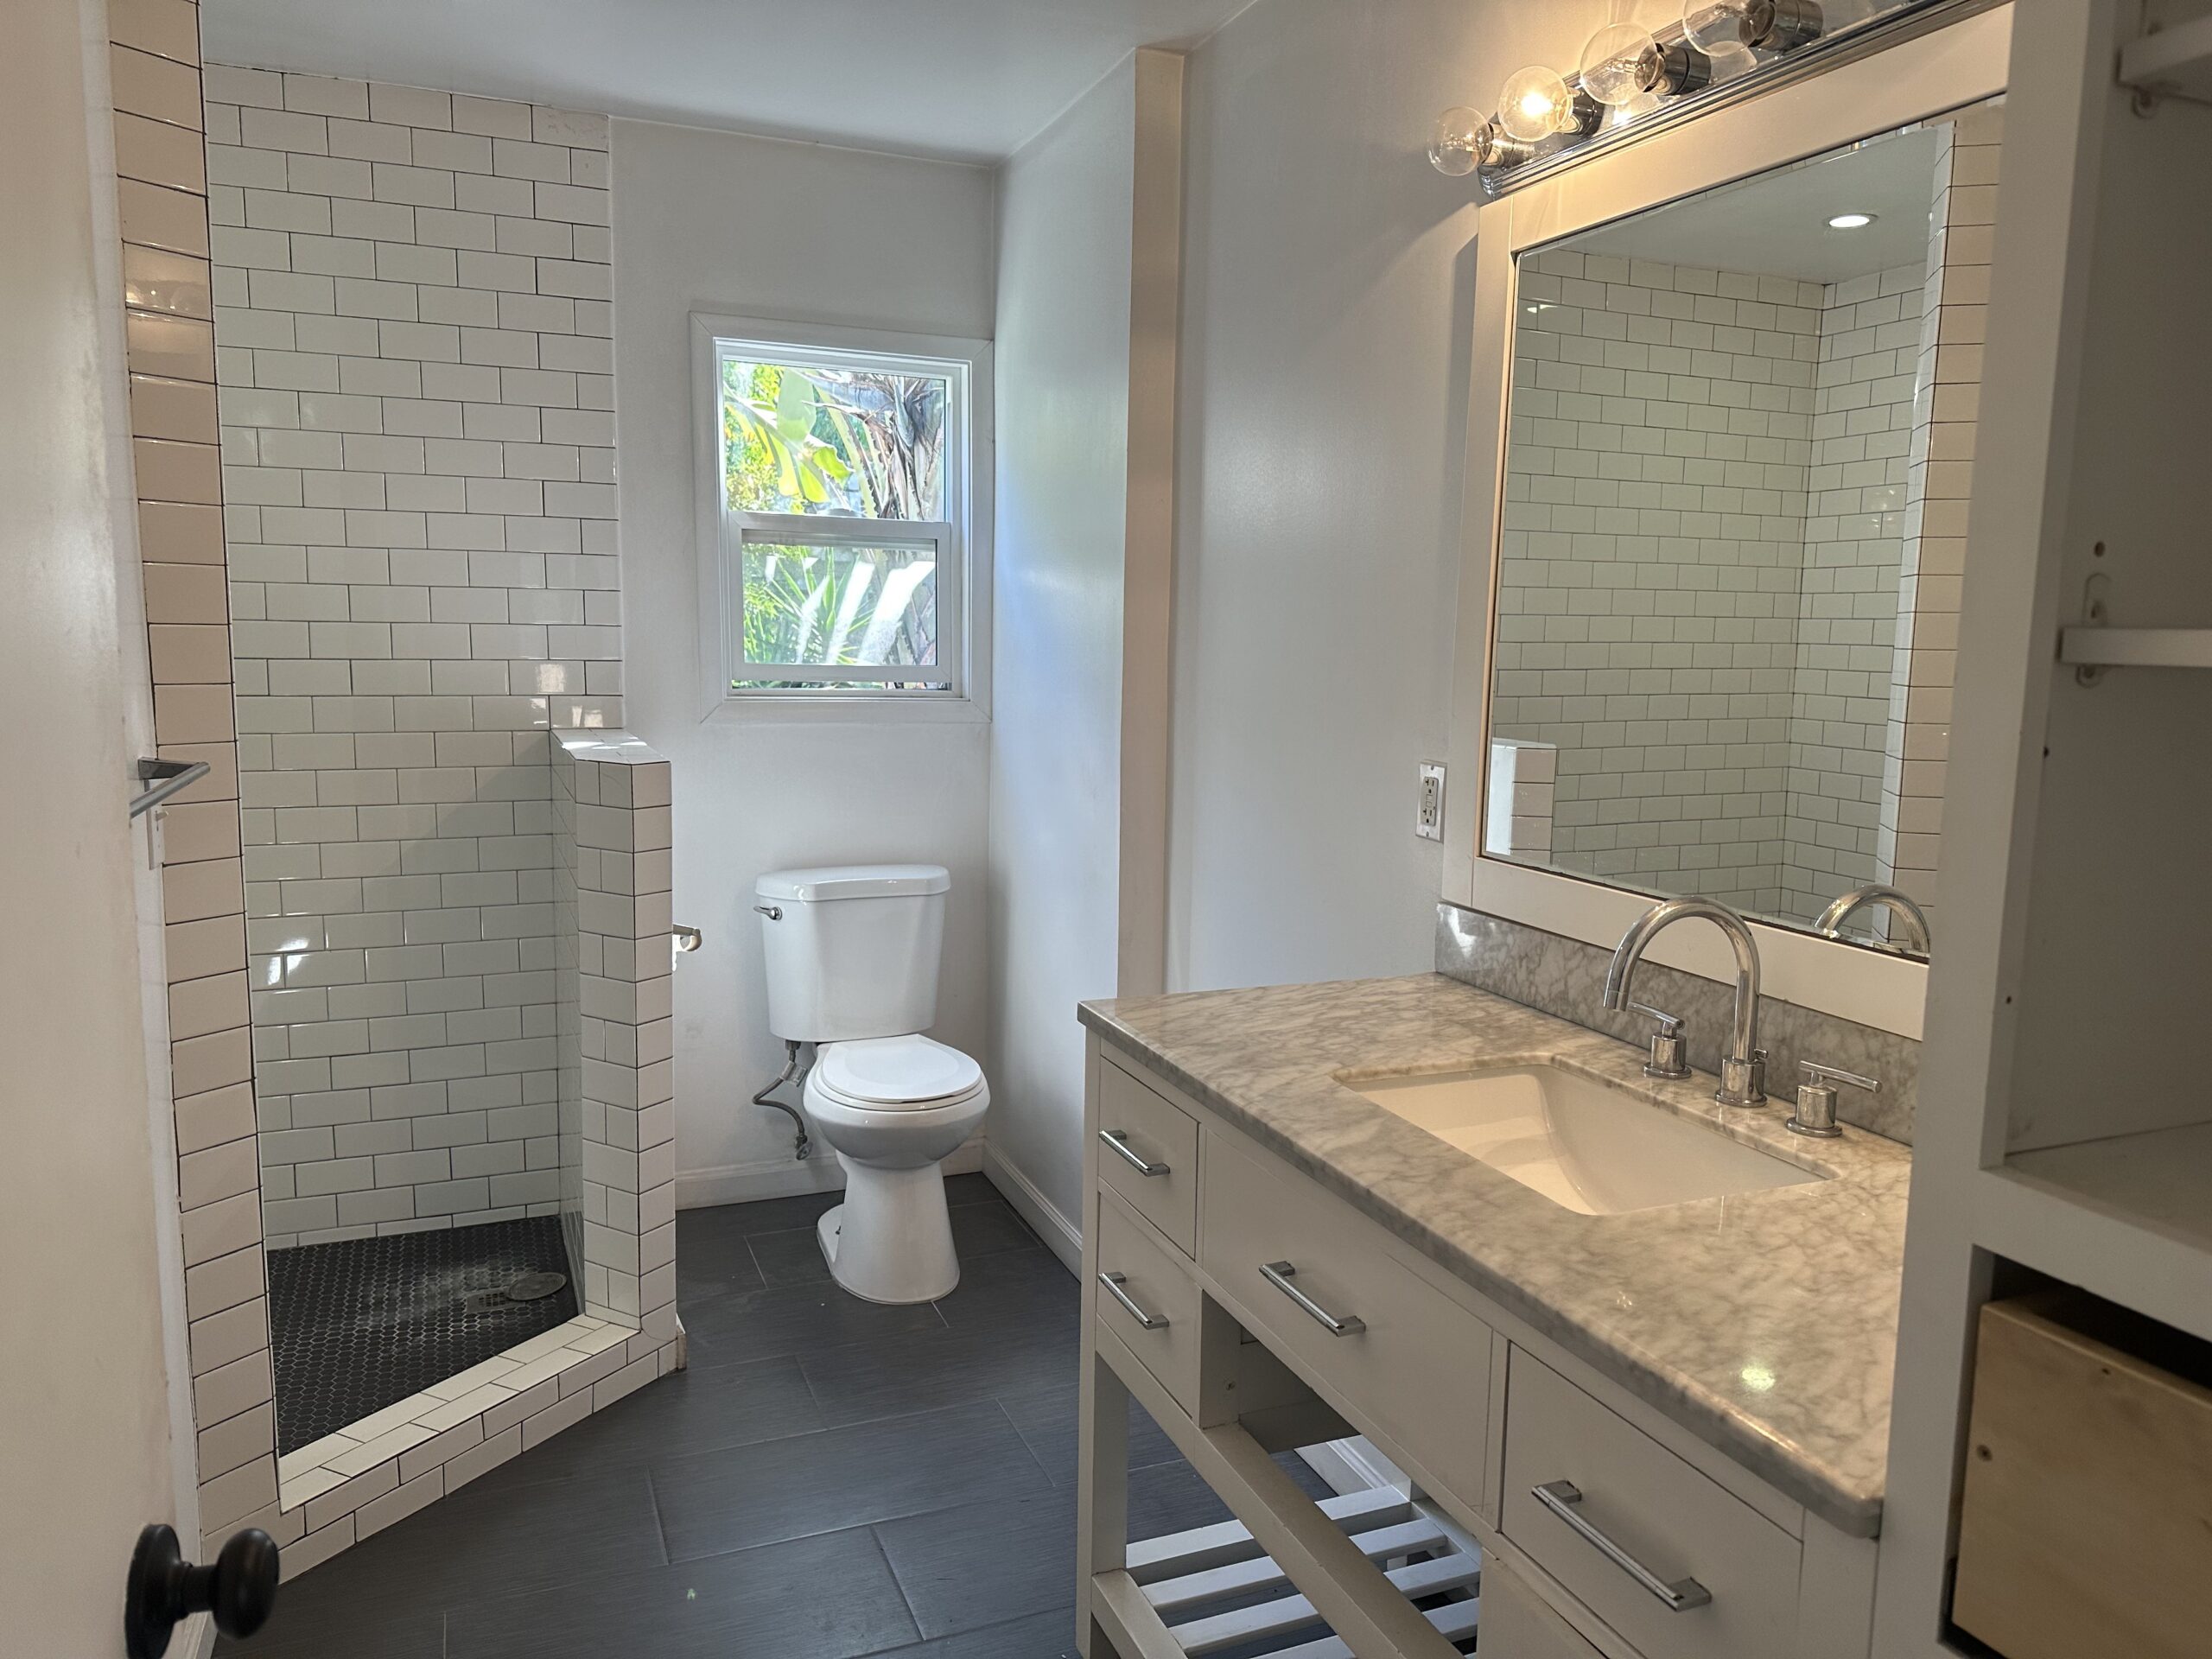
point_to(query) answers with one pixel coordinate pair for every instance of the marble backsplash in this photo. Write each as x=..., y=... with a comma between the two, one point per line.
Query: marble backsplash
x=1566, y=977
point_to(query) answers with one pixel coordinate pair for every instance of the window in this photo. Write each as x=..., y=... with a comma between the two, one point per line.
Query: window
x=841, y=481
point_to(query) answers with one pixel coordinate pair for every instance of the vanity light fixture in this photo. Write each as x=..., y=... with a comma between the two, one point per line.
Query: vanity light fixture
x=1853, y=221
x=1721, y=52
x=1623, y=63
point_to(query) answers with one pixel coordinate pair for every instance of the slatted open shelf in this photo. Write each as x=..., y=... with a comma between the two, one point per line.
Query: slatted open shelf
x=1216, y=1591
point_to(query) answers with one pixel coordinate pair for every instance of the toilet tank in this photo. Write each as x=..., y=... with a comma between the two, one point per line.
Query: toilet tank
x=852, y=948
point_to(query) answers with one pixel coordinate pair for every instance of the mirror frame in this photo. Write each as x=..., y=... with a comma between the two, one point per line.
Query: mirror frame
x=1917, y=81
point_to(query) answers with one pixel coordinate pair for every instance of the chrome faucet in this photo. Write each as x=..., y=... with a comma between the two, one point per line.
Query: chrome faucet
x=1915, y=920
x=1743, y=1071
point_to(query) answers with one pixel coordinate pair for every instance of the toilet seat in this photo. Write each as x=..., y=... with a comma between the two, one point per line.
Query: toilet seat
x=894, y=1074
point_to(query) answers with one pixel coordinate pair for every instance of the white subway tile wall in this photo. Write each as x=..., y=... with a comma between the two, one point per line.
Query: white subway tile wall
x=1941, y=476
x=1713, y=512
x=160, y=191
x=1847, y=593
x=1653, y=528
x=413, y=346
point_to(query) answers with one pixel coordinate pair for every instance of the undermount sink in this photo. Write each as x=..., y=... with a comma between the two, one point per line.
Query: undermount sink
x=1586, y=1148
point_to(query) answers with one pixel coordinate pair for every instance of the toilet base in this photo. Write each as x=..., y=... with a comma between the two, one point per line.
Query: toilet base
x=891, y=1241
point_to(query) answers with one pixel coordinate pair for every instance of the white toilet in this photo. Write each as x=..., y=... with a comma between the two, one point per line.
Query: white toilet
x=852, y=957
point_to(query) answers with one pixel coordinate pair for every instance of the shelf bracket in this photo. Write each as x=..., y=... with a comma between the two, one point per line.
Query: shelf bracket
x=2092, y=646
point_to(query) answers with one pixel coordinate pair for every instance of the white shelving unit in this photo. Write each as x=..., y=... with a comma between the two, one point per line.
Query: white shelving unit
x=2066, y=1120
x=1214, y=1588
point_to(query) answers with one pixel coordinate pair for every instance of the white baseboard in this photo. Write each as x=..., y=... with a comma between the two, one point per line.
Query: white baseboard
x=783, y=1178
x=1062, y=1237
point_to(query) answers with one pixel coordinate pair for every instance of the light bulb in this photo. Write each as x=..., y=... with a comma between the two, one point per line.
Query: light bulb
x=1620, y=64
x=1772, y=25
x=1623, y=63
x=1534, y=104
x=1461, y=136
x=1851, y=221
x=1716, y=25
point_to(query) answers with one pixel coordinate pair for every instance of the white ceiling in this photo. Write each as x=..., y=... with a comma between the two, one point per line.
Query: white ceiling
x=1776, y=224
x=966, y=78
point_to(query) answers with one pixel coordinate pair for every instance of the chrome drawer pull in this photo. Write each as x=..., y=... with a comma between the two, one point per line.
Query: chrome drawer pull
x=1119, y=1140
x=1561, y=1496
x=1279, y=1274
x=1112, y=1283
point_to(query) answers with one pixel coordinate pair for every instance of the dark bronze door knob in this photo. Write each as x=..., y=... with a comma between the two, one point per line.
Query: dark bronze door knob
x=241, y=1589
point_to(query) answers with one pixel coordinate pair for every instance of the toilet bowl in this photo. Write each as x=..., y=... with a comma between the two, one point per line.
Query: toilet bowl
x=893, y=1108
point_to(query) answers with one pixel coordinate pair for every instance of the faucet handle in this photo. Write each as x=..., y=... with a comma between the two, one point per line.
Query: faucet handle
x=1667, y=1057
x=1815, y=1114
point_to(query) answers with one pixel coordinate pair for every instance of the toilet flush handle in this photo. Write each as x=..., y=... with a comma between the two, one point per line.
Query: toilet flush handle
x=773, y=913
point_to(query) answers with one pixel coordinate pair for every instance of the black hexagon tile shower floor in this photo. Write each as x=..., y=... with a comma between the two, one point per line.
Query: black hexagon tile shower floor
x=360, y=1324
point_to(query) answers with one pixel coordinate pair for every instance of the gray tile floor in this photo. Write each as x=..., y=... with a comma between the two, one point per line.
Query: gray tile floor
x=829, y=1479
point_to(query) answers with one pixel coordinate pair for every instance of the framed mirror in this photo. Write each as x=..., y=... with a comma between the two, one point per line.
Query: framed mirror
x=1717, y=565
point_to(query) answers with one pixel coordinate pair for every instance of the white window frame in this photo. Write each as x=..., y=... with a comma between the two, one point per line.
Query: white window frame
x=963, y=537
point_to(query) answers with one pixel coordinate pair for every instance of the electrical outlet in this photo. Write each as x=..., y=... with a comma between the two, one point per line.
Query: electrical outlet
x=1428, y=823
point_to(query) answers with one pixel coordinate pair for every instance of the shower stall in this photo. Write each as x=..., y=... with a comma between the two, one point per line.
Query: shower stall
x=455, y=864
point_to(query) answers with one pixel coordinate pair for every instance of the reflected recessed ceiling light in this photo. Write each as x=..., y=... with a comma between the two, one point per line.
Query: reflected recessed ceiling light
x=1851, y=221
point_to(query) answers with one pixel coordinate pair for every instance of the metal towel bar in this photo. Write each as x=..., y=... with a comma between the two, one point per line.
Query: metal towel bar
x=168, y=778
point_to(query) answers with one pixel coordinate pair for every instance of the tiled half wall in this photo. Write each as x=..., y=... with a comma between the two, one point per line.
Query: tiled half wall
x=611, y=797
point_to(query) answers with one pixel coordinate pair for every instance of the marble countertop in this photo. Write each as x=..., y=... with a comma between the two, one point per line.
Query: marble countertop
x=1765, y=1323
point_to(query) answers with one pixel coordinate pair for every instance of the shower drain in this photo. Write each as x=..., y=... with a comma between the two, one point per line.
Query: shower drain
x=524, y=1288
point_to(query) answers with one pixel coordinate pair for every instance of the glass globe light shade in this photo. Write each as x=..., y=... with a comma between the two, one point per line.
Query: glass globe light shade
x=1621, y=64
x=1462, y=135
x=1534, y=104
x=1719, y=25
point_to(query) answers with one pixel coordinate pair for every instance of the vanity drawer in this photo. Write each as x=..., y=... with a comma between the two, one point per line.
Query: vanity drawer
x=1163, y=1291
x=1657, y=1512
x=1415, y=1370
x=1150, y=1155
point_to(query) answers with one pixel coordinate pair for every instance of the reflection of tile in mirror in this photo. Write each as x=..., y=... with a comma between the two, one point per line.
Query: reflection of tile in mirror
x=1729, y=462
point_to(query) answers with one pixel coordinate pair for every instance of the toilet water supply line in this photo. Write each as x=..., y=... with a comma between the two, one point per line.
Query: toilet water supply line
x=802, y=1148
x=690, y=938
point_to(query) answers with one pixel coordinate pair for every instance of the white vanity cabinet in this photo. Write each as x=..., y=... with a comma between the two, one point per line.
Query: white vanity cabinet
x=1249, y=1309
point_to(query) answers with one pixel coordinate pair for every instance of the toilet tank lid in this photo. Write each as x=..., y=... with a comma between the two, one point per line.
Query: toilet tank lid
x=852, y=882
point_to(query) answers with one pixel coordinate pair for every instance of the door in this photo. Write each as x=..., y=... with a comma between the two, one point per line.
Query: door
x=85, y=1407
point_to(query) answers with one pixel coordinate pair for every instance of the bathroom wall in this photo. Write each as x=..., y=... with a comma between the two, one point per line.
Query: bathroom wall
x=771, y=230
x=1088, y=238
x=1649, y=577
x=412, y=321
x=1327, y=296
